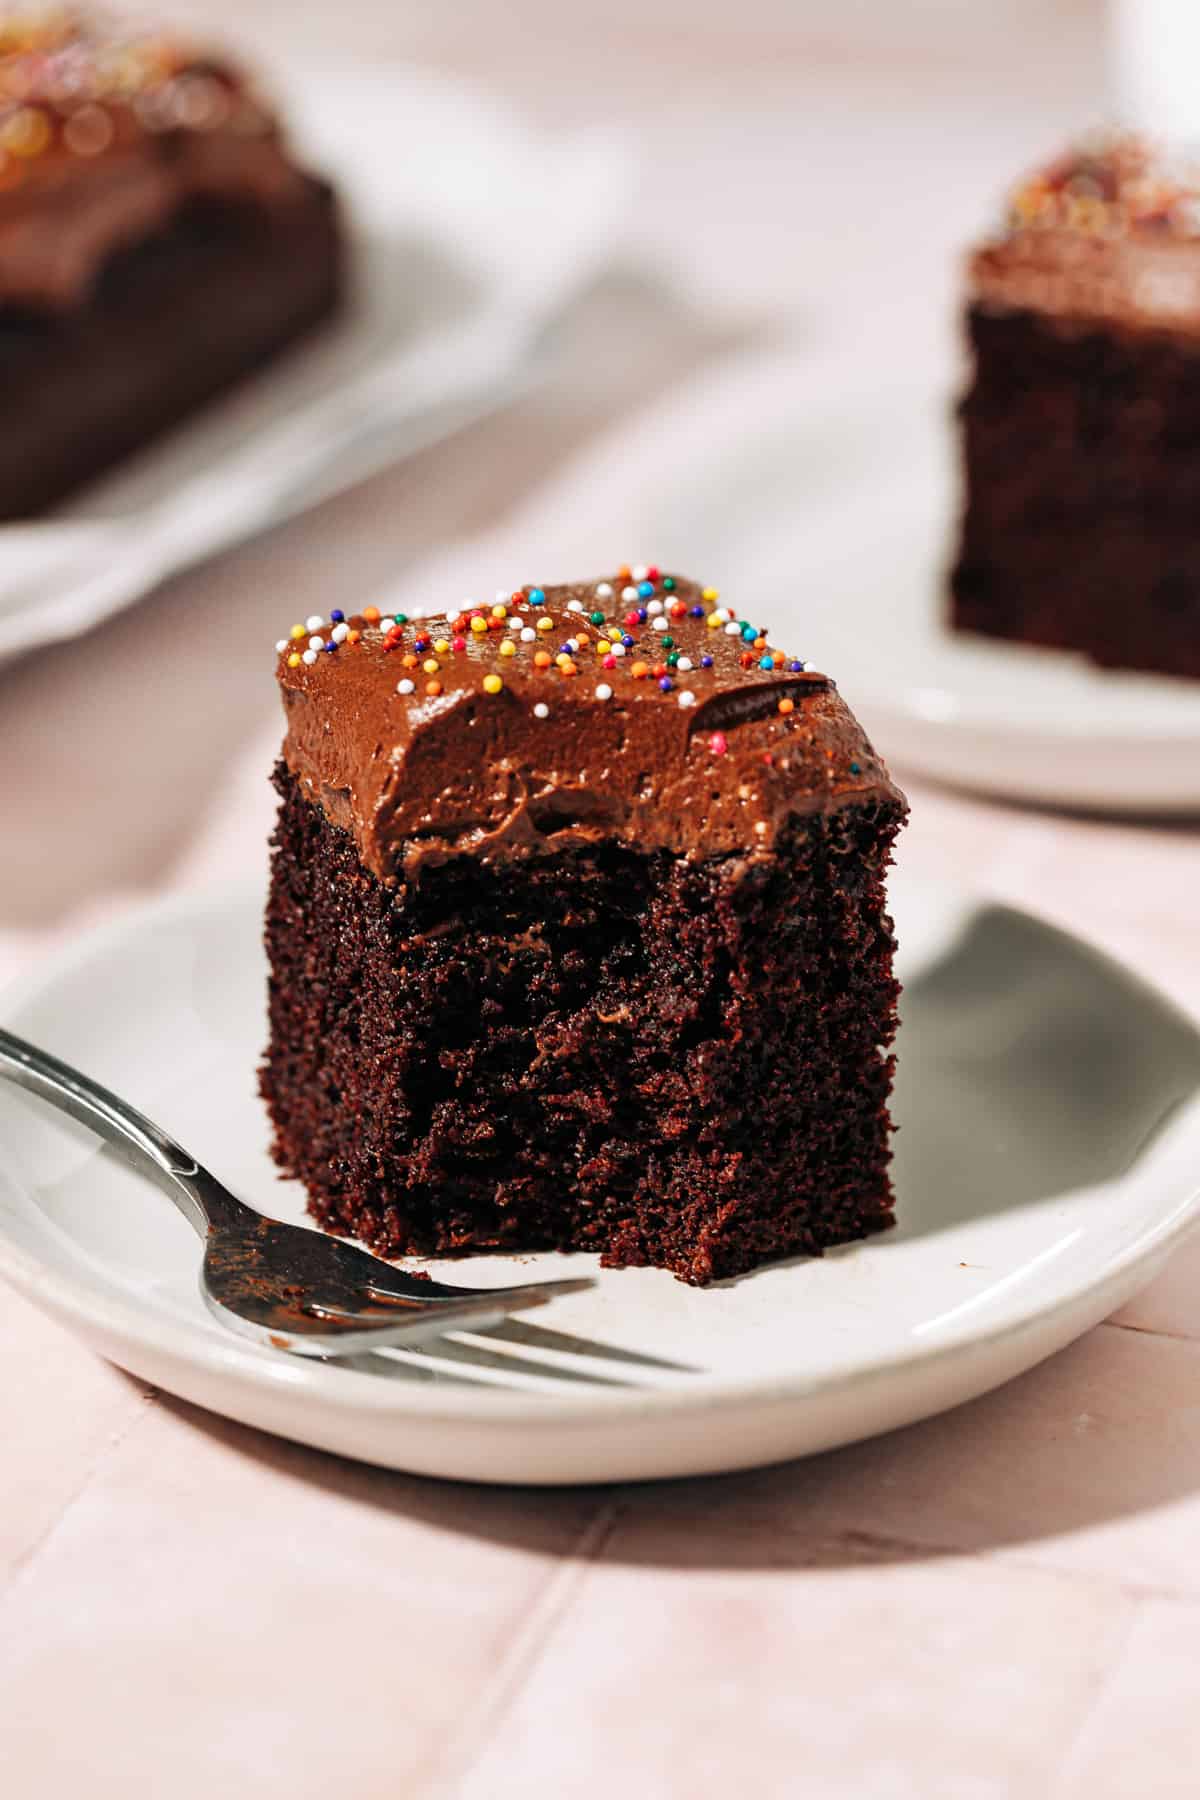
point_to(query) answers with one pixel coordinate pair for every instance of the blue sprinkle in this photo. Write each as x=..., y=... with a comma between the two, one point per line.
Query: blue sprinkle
x=627, y=640
x=666, y=684
x=537, y=597
x=766, y=662
x=643, y=615
x=854, y=769
x=696, y=612
x=645, y=589
x=706, y=662
x=796, y=667
x=330, y=648
x=337, y=615
x=748, y=634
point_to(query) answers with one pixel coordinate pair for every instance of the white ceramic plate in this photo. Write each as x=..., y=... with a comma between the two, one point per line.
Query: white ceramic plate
x=839, y=525
x=471, y=235
x=1047, y=1163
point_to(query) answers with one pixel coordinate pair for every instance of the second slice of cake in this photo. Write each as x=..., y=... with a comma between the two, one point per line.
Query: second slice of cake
x=578, y=934
x=1081, y=527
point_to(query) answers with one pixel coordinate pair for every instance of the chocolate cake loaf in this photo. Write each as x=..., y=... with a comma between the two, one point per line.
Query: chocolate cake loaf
x=578, y=935
x=156, y=244
x=1081, y=529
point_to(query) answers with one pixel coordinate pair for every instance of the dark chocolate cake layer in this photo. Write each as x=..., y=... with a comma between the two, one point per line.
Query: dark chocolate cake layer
x=1080, y=522
x=157, y=243
x=565, y=953
x=173, y=322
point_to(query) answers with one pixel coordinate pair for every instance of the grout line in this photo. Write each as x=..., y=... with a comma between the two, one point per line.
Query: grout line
x=529, y=1645
x=111, y=1448
x=1103, y=1687
x=1153, y=1331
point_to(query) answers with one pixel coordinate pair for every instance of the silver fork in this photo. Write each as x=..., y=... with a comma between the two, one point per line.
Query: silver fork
x=283, y=1285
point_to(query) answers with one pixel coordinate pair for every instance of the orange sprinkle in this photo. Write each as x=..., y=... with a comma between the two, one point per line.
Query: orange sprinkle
x=541, y=659
x=624, y=572
x=371, y=615
x=433, y=687
x=409, y=661
x=353, y=636
x=568, y=668
x=786, y=705
x=638, y=669
x=778, y=658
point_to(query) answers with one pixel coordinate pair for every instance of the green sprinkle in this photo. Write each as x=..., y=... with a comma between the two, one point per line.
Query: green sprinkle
x=667, y=642
x=597, y=618
x=668, y=584
x=673, y=660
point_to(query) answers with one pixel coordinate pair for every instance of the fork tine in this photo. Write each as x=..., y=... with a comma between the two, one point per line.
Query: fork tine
x=323, y=1331
x=441, y=1296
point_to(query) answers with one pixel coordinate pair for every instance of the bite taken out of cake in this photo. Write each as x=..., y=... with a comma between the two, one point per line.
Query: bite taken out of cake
x=578, y=935
x=1081, y=523
x=158, y=243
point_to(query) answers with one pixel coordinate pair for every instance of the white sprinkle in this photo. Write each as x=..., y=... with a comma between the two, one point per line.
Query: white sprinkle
x=687, y=698
x=541, y=710
x=641, y=571
x=805, y=667
x=316, y=643
x=721, y=615
x=630, y=593
x=660, y=624
x=282, y=644
x=503, y=596
x=616, y=649
x=389, y=624
x=733, y=629
x=654, y=606
x=603, y=691
x=572, y=646
x=405, y=686
x=315, y=623
x=574, y=605
x=604, y=590
x=684, y=664
x=310, y=657
x=528, y=634
x=340, y=633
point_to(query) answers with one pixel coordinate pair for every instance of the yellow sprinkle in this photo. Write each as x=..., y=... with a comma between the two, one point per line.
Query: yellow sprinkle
x=712, y=622
x=710, y=594
x=545, y=624
x=478, y=625
x=294, y=660
x=508, y=648
x=492, y=684
x=297, y=631
x=499, y=612
x=602, y=646
x=562, y=659
x=431, y=666
x=442, y=645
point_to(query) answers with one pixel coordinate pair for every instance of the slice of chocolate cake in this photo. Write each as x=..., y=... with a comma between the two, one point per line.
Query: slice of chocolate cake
x=157, y=243
x=1081, y=528
x=578, y=934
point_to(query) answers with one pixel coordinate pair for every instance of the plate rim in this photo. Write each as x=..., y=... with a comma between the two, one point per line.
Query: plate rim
x=72, y=1296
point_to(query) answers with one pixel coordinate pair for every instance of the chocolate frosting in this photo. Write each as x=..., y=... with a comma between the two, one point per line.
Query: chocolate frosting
x=104, y=137
x=1109, y=233
x=611, y=740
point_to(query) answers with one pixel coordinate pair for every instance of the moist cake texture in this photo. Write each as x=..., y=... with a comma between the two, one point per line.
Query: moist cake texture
x=1080, y=528
x=577, y=933
x=157, y=242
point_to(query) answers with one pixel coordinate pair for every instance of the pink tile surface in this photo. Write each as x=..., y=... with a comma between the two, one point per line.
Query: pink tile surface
x=835, y=1672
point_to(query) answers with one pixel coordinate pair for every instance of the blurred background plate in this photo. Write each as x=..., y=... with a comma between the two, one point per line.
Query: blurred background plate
x=836, y=525
x=471, y=235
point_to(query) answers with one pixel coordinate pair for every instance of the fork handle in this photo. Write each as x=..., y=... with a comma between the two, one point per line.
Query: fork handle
x=199, y=1197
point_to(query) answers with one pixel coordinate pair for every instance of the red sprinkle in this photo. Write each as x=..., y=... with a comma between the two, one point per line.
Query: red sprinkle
x=632, y=620
x=459, y=643
x=717, y=743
